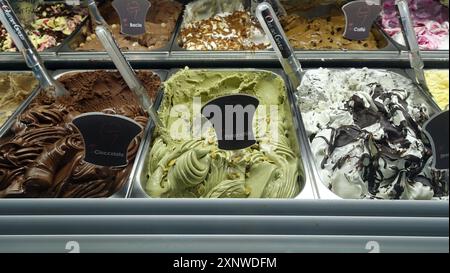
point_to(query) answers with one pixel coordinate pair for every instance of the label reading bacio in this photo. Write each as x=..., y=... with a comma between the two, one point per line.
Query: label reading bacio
x=133, y=14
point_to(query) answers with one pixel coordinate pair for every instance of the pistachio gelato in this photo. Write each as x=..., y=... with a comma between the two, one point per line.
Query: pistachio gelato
x=437, y=81
x=181, y=165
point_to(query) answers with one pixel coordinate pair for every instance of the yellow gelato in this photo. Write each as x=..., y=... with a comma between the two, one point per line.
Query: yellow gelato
x=437, y=81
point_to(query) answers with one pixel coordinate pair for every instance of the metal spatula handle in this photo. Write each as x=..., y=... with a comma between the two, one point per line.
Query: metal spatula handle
x=271, y=25
x=411, y=42
x=106, y=38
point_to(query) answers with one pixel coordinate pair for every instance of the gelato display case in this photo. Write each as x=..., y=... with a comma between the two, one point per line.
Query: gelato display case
x=339, y=164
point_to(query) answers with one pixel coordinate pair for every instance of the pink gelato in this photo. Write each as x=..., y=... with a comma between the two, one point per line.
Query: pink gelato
x=430, y=19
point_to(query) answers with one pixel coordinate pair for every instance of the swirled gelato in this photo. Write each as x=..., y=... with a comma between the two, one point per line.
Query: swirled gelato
x=220, y=25
x=430, y=21
x=182, y=165
x=43, y=157
x=14, y=89
x=437, y=81
x=52, y=25
x=365, y=132
x=159, y=26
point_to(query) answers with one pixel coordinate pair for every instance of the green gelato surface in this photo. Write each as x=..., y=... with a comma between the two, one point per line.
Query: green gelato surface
x=184, y=165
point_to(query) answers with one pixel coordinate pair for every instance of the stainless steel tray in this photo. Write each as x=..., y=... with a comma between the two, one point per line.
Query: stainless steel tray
x=85, y=30
x=307, y=188
x=323, y=192
x=6, y=130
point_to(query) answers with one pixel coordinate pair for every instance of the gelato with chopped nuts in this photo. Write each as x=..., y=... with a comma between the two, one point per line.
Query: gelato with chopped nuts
x=220, y=25
x=190, y=167
x=161, y=21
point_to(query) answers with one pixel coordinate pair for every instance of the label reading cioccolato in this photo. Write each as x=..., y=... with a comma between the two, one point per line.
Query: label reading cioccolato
x=232, y=119
x=360, y=16
x=132, y=15
x=106, y=138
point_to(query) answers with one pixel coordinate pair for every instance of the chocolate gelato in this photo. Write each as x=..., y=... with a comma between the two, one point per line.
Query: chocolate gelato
x=44, y=156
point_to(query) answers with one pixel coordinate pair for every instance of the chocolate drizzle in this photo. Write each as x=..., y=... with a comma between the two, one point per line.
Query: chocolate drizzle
x=388, y=151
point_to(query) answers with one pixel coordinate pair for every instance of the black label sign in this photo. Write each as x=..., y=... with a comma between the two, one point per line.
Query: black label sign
x=232, y=118
x=360, y=16
x=276, y=32
x=106, y=138
x=132, y=15
x=436, y=130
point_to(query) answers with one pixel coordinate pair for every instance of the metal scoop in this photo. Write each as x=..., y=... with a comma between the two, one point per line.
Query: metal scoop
x=409, y=35
x=272, y=26
x=106, y=38
x=291, y=65
x=23, y=43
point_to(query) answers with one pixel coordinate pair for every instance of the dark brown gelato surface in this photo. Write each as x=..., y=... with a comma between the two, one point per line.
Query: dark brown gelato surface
x=44, y=157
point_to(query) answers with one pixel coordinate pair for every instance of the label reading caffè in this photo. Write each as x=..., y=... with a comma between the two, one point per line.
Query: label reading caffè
x=232, y=119
x=106, y=138
x=360, y=16
x=133, y=14
x=437, y=131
